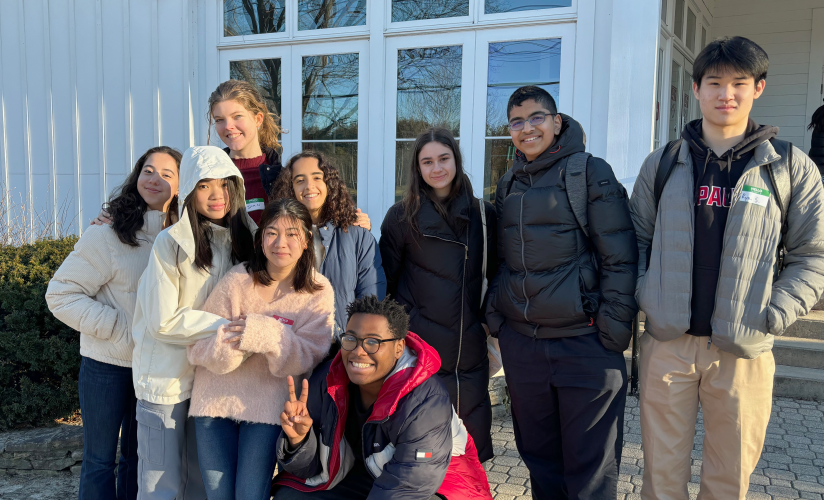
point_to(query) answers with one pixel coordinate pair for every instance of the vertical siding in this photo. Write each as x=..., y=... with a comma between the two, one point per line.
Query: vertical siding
x=81, y=88
x=784, y=30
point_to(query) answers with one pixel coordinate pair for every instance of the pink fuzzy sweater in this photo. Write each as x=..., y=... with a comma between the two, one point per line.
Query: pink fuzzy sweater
x=289, y=336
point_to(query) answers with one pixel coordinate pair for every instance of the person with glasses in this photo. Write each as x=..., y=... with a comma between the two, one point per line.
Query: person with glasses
x=376, y=421
x=562, y=303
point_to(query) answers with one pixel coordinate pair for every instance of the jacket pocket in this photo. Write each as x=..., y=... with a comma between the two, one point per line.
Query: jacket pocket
x=150, y=434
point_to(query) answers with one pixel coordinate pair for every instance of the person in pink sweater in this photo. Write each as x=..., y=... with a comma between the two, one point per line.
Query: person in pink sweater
x=282, y=320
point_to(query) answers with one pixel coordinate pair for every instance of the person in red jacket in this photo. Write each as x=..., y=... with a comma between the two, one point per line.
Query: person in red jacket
x=377, y=422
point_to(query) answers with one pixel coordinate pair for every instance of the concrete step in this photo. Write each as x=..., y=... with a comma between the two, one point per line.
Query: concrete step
x=799, y=383
x=799, y=352
x=810, y=326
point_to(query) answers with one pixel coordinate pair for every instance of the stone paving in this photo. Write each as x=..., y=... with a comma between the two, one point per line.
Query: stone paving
x=790, y=466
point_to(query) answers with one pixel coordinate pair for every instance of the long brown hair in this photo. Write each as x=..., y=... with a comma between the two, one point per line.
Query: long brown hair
x=235, y=219
x=416, y=185
x=338, y=207
x=247, y=96
x=290, y=208
x=126, y=207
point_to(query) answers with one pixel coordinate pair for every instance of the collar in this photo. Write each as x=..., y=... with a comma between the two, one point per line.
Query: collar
x=153, y=221
x=430, y=221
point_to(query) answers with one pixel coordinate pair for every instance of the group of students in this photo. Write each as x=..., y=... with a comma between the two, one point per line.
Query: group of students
x=237, y=315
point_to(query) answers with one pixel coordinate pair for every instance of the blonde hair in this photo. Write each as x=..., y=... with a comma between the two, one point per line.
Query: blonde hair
x=247, y=96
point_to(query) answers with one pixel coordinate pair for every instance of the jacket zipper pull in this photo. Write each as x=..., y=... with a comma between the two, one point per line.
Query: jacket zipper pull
x=466, y=253
x=709, y=342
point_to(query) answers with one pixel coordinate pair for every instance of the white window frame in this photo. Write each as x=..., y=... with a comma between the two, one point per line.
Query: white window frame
x=393, y=45
x=428, y=24
x=231, y=41
x=534, y=15
x=566, y=32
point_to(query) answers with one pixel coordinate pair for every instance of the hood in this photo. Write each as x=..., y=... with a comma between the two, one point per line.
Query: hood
x=754, y=136
x=418, y=362
x=569, y=141
x=202, y=162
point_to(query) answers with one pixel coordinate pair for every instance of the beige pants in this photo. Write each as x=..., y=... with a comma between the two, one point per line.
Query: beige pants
x=736, y=397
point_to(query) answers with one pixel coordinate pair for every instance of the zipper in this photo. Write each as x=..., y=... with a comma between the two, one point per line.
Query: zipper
x=463, y=291
x=523, y=259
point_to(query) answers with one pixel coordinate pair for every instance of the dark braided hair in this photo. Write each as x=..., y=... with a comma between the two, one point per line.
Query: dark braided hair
x=394, y=313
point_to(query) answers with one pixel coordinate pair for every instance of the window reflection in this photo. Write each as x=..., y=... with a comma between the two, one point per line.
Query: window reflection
x=499, y=6
x=416, y=10
x=265, y=75
x=330, y=111
x=429, y=94
x=513, y=65
x=690, y=41
x=322, y=14
x=250, y=17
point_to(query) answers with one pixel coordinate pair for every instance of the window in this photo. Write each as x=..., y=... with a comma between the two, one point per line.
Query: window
x=252, y=17
x=330, y=111
x=416, y=10
x=678, y=25
x=703, y=37
x=659, y=95
x=664, y=10
x=674, y=125
x=500, y=6
x=265, y=75
x=429, y=94
x=322, y=14
x=513, y=65
x=690, y=38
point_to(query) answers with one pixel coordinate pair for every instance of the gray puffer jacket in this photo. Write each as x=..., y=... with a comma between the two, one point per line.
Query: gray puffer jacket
x=749, y=307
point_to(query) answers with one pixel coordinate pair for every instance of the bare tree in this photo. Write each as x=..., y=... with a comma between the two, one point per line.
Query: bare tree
x=249, y=17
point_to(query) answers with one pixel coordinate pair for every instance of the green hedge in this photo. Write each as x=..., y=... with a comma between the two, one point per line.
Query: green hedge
x=39, y=355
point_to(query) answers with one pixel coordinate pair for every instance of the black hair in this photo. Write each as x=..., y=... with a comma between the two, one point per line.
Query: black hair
x=242, y=241
x=305, y=266
x=417, y=186
x=537, y=94
x=126, y=207
x=394, y=313
x=818, y=119
x=735, y=54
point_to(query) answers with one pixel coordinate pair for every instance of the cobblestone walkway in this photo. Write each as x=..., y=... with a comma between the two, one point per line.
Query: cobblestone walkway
x=790, y=467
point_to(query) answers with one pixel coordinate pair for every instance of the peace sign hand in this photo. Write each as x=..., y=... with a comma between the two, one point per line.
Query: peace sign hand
x=295, y=419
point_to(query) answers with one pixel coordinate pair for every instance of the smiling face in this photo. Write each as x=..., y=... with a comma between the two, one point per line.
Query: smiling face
x=237, y=128
x=534, y=140
x=366, y=369
x=158, y=181
x=726, y=97
x=309, y=186
x=436, y=162
x=283, y=244
x=212, y=198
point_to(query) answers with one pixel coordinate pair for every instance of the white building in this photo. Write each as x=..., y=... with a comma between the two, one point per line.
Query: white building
x=86, y=86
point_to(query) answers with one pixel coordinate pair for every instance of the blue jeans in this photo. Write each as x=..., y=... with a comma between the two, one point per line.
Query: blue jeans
x=107, y=403
x=237, y=459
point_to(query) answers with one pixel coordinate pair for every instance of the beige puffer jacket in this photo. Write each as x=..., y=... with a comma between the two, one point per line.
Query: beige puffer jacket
x=172, y=289
x=95, y=288
x=749, y=307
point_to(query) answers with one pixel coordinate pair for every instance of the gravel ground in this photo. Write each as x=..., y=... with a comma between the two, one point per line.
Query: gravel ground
x=790, y=466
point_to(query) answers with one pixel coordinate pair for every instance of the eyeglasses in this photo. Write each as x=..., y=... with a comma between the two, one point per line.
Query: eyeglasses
x=370, y=345
x=534, y=120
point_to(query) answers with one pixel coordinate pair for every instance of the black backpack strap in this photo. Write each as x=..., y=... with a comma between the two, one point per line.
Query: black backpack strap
x=575, y=178
x=781, y=179
x=665, y=166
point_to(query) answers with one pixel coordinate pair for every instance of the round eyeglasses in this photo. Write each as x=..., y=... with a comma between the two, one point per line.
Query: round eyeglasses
x=534, y=120
x=370, y=345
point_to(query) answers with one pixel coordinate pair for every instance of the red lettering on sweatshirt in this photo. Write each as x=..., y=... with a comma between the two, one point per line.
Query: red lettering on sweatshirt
x=713, y=195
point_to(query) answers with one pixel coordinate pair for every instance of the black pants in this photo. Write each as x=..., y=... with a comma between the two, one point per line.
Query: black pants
x=568, y=397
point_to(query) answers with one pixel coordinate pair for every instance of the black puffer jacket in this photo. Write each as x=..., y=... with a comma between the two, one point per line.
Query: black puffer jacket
x=554, y=281
x=437, y=276
x=817, y=148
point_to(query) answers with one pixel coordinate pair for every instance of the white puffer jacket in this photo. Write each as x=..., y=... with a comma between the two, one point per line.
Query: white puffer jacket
x=172, y=289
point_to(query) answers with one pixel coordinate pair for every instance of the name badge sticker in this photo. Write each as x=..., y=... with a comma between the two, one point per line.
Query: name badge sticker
x=754, y=195
x=255, y=204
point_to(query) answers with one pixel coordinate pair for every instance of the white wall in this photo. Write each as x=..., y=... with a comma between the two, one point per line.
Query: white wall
x=86, y=86
x=784, y=30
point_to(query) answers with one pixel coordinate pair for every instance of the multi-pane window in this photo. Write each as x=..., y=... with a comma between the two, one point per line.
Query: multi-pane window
x=322, y=14
x=330, y=111
x=513, y=65
x=429, y=94
x=678, y=24
x=253, y=17
x=416, y=10
x=691, y=25
x=500, y=6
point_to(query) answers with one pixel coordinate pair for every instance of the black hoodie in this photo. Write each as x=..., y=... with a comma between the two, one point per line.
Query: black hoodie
x=715, y=179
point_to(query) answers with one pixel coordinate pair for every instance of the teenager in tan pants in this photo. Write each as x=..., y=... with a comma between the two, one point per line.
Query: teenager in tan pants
x=736, y=397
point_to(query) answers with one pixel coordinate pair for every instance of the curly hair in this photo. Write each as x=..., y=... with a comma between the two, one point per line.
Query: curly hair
x=126, y=207
x=394, y=313
x=247, y=96
x=305, y=266
x=338, y=207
